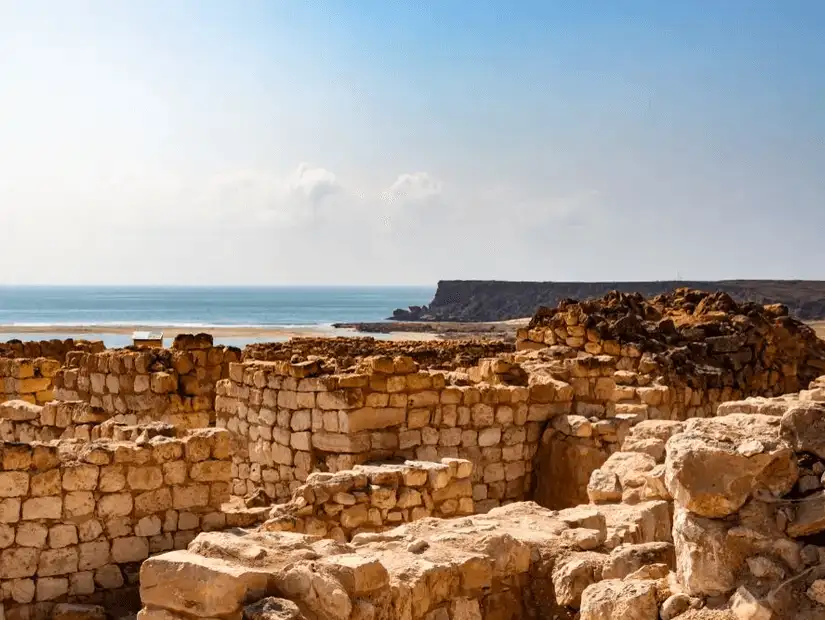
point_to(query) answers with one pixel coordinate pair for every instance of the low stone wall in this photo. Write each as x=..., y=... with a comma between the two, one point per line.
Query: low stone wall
x=138, y=386
x=295, y=420
x=25, y=422
x=26, y=379
x=372, y=498
x=77, y=518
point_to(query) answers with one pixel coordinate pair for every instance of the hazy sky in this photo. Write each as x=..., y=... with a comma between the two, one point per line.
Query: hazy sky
x=267, y=142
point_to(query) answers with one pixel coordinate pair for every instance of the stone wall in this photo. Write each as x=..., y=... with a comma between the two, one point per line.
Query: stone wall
x=372, y=498
x=29, y=379
x=138, y=386
x=295, y=420
x=25, y=422
x=77, y=518
x=51, y=349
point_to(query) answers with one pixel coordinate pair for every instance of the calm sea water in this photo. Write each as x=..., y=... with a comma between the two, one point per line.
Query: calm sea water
x=198, y=307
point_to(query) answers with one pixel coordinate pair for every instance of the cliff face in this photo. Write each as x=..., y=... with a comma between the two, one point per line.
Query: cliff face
x=490, y=300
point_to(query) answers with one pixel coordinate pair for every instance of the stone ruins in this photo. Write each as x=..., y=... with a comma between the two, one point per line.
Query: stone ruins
x=628, y=459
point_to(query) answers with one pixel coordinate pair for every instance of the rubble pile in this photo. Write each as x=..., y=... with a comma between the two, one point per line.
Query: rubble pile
x=698, y=339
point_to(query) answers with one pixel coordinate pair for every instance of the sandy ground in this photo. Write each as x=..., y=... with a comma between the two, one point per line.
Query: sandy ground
x=256, y=333
x=819, y=328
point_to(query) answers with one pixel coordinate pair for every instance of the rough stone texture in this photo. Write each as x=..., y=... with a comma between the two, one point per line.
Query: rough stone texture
x=695, y=339
x=358, y=445
x=494, y=566
x=30, y=380
x=76, y=516
x=25, y=422
x=748, y=510
x=296, y=419
x=374, y=498
x=716, y=464
x=137, y=386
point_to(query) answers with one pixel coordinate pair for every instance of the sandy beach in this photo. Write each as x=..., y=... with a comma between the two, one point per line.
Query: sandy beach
x=256, y=333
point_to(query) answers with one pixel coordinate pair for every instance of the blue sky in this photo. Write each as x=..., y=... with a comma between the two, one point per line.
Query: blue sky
x=256, y=142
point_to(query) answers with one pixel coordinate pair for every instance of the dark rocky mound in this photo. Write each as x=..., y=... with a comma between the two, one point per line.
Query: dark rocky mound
x=695, y=334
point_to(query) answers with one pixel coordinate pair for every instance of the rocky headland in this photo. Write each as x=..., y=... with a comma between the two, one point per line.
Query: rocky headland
x=491, y=300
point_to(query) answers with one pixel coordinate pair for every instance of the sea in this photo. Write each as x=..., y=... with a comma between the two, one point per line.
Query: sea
x=197, y=308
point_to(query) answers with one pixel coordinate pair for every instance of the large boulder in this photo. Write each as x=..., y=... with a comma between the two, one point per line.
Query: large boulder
x=718, y=463
x=803, y=428
x=707, y=561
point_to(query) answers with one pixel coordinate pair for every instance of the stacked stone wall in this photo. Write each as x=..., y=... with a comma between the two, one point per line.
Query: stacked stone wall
x=137, y=386
x=25, y=422
x=51, y=349
x=77, y=518
x=295, y=421
x=29, y=379
x=371, y=498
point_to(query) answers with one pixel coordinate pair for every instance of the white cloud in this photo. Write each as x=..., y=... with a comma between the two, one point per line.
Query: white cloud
x=264, y=197
x=412, y=187
x=314, y=183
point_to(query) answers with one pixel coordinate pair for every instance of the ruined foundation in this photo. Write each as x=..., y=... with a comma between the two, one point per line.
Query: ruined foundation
x=633, y=459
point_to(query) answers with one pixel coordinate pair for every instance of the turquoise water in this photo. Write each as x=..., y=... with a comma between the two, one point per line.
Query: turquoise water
x=198, y=308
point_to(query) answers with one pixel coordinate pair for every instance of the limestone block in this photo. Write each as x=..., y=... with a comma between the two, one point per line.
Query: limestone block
x=42, y=508
x=114, y=505
x=372, y=418
x=80, y=477
x=358, y=574
x=129, y=549
x=78, y=504
x=10, y=510
x=707, y=560
x=112, y=479
x=14, y=484
x=92, y=555
x=338, y=442
x=716, y=464
x=192, y=584
x=109, y=577
x=20, y=410
x=19, y=562
x=31, y=535
x=57, y=562
x=575, y=573
x=211, y=471
x=190, y=496
x=620, y=600
x=50, y=588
